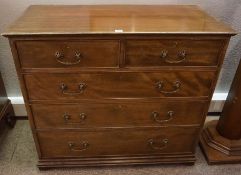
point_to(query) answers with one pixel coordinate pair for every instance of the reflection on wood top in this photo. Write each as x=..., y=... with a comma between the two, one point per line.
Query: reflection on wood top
x=109, y=19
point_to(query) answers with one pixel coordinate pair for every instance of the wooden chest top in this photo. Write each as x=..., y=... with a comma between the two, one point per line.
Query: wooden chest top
x=112, y=19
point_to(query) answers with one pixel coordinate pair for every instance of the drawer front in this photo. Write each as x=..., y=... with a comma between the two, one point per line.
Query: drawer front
x=118, y=114
x=118, y=85
x=59, y=54
x=59, y=143
x=172, y=53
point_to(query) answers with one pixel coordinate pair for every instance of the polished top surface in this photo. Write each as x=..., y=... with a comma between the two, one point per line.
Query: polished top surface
x=115, y=19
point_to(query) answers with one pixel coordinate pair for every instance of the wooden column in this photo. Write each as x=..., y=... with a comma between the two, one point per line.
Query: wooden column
x=221, y=140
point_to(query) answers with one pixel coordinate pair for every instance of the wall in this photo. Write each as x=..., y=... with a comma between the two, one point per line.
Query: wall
x=226, y=11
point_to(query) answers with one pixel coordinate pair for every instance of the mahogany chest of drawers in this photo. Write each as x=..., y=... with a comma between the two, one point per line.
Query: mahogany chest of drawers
x=117, y=85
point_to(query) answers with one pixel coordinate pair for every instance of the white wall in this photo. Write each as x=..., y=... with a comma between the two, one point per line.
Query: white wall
x=228, y=11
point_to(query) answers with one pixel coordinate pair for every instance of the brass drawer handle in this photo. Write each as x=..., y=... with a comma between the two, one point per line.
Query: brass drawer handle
x=155, y=115
x=176, y=87
x=67, y=118
x=152, y=144
x=64, y=88
x=181, y=55
x=83, y=146
x=60, y=56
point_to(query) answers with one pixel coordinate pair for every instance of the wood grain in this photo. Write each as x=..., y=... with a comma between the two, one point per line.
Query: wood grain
x=93, y=53
x=133, y=114
x=77, y=19
x=119, y=85
x=149, y=53
x=55, y=144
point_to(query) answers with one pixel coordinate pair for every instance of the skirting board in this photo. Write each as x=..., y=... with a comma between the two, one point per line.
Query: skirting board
x=215, y=106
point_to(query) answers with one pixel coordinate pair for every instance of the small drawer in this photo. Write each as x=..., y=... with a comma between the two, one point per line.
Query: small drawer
x=57, y=143
x=118, y=114
x=144, y=53
x=65, y=54
x=42, y=86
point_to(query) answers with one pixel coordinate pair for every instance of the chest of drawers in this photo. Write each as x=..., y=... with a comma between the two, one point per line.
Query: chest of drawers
x=117, y=85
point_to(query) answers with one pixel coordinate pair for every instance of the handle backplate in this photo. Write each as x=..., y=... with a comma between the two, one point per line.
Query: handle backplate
x=81, y=88
x=155, y=145
x=82, y=146
x=176, y=87
x=181, y=57
x=60, y=58
x=67, y=118
x=156, y=116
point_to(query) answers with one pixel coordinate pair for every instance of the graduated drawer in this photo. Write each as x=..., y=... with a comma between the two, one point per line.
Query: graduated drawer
x=163, y=52
x=66, y=54
x=118, y=114
x=67, y=143
x=42, y=86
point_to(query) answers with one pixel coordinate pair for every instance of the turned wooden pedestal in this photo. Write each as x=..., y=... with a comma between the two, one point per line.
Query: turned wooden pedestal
x=221, y=140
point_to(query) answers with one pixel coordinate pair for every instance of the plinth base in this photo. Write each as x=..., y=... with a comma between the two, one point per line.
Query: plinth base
x=217, y=149
x=187, y=159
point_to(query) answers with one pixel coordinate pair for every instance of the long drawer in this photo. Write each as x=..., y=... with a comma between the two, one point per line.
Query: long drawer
x=43, y=86
x=68, y=54
x=129, y=114
x=60, y=143
x=174, y=52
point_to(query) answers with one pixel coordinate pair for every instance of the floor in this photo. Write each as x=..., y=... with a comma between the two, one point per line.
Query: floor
x=18, y=157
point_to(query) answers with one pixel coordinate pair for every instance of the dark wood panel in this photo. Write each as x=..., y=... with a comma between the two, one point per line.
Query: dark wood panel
x=57, y=143
x=221, y=140
x=172, y=52
x=68, y=54
x=118, y=114
x=119, y=85
x=7, y=115
x=3, y=94
x=3, y=98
